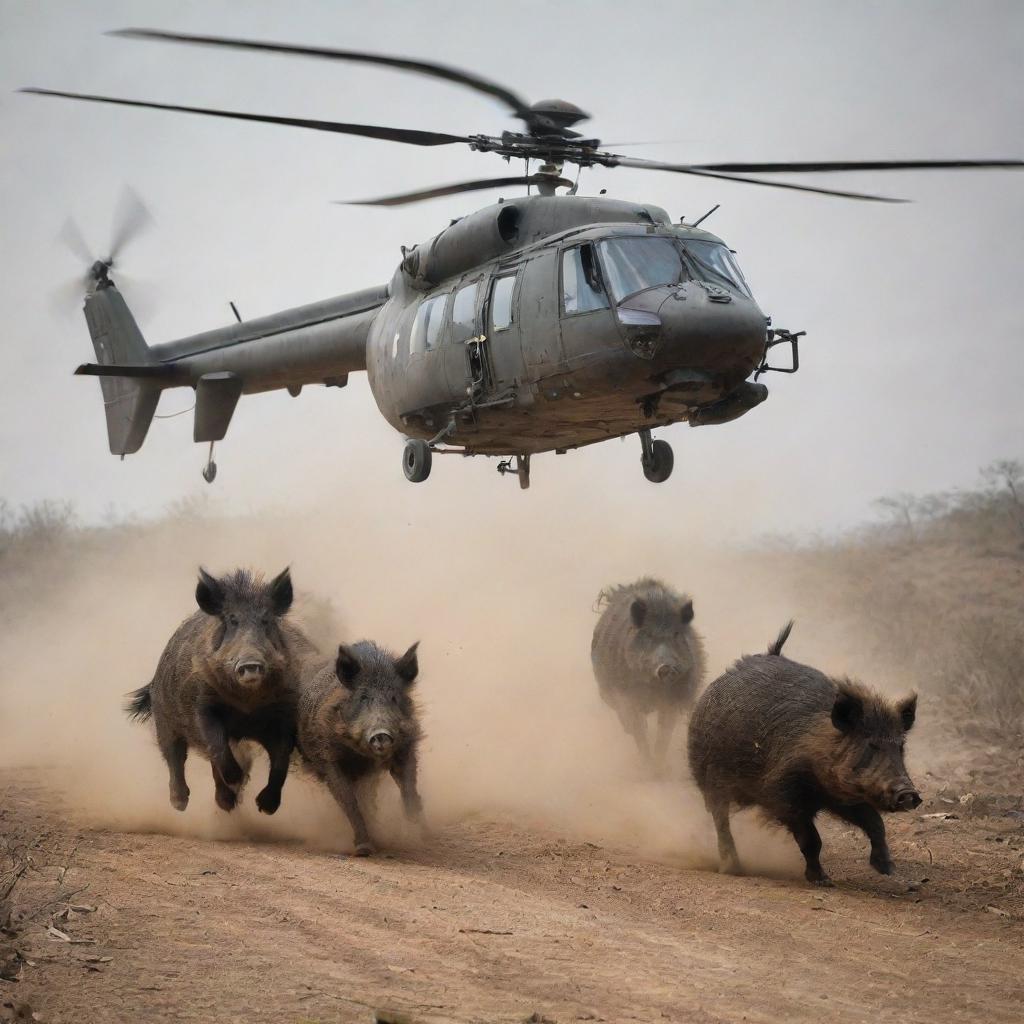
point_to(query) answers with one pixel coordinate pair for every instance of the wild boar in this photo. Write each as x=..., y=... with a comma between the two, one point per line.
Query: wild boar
x=782, y=736
x=647, y=657
x=230, y=672
x=357, y=718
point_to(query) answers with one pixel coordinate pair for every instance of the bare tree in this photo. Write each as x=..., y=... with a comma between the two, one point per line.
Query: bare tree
x=1005, y=477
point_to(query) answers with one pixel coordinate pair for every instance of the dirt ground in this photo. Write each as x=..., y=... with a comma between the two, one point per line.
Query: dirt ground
x=496, y=922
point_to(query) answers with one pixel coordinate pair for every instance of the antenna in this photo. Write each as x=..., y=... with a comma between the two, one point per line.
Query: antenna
x=706, y=215
x=234, y=309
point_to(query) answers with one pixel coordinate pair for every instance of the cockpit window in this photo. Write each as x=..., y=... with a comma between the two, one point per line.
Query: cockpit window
x=715, y=263
x=426, y=328
x=501, y=301
x=633, y=265
x=582, y=290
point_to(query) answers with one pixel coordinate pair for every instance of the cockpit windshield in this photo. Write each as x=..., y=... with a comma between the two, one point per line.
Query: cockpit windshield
x=633, y=265
x=716, y=264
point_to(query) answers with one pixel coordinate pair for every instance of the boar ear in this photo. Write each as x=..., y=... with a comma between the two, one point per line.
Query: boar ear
x=847, y=711
x=347, y=665
x=638, y=612
x=686, y=613
x=281, y=593
x=407, y=665
x=209, y=593
x=907, y=709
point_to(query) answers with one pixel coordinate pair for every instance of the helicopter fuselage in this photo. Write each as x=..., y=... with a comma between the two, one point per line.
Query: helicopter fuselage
x=612, y=322
x=543, y=323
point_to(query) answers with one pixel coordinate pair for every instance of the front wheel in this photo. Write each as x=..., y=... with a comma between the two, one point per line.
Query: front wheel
x=658, y=465
x=416, y=461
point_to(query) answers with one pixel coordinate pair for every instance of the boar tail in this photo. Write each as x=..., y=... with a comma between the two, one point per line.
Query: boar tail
x=776, y=648
x=139, y=706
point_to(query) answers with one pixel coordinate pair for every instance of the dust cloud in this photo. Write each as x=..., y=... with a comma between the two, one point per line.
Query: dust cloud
x=500, y=589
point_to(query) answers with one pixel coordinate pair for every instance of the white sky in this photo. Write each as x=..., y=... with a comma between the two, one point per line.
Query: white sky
x=912, y=369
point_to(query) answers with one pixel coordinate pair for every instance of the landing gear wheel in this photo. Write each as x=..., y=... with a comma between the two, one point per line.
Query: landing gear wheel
x=416, y=461
x=658, y=462
x=523, y=471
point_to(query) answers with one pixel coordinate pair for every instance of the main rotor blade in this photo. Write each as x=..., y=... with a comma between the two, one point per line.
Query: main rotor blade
x=131, y=219
x=862, y=165
x=656, y=165
x=371, y=131
x=450, y=190
x=518, y=105
x=71, y=235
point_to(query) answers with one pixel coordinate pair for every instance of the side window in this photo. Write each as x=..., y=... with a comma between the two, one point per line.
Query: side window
x=501, y=302
x=426, y=328
x=464, y=312
x=582, y=290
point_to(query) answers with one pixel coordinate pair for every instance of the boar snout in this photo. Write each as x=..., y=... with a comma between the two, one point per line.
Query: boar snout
x=250, y=669
x=380, y=741
x=905, y=798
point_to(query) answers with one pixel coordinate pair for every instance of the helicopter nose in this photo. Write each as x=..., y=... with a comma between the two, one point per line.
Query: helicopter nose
x=700, y=330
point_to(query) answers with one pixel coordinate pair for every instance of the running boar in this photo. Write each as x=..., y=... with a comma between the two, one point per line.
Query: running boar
x=647, y=657
x=229, y=672
x=356, y=718
x=784, y=737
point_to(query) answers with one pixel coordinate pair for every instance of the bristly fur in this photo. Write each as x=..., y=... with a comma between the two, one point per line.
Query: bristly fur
x=776, y=648
x=647, y=585
x=139, y=706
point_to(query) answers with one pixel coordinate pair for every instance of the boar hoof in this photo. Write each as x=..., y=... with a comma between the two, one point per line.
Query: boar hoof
x=883, y=865
x=268, y=800
x=225, y=798
x=365, y=849
x=819, y=878
x=179, y=801
x=731, y=867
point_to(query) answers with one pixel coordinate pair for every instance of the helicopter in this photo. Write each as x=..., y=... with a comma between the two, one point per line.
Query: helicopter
x=544, y=322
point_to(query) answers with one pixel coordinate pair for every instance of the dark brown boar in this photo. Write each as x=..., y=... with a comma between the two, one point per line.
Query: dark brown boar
x=782, y=736
x=230, y=672
x=647, y=657
x=357, y=718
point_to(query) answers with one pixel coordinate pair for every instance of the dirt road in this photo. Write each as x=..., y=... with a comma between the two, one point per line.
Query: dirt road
x=494, y=923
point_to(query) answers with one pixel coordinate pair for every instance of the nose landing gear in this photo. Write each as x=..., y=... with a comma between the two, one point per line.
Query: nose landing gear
x=656, y=458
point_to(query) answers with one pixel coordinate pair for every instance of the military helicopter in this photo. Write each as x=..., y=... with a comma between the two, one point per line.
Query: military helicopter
x=541, y=323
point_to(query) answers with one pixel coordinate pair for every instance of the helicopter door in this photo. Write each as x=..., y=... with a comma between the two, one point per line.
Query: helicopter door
x=497, y=367
x=462, y=349
x=425, y=381
x=585, y=314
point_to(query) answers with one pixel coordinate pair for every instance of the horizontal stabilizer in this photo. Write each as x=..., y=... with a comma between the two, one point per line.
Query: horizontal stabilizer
x=124, y=370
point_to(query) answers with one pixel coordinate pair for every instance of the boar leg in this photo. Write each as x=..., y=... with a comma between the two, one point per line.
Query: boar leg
x=807, y=838
x=728, y=858
x=175, y=751
x=635, y=725
x=865, y=817
x=667, y=719
x=404, y=773
x=215, y=736
x=279, y=748
x=224, y=795
x=345, y=794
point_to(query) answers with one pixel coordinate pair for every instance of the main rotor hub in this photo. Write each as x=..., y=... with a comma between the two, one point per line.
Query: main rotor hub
x=555, y=117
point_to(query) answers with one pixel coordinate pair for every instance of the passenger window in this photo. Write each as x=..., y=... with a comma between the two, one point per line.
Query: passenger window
x=426, y=328
x=582, y=290
x=464, y=312
x=501, y=302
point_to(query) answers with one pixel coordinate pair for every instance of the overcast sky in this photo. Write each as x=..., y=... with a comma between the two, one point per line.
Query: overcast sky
x=912, y=370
